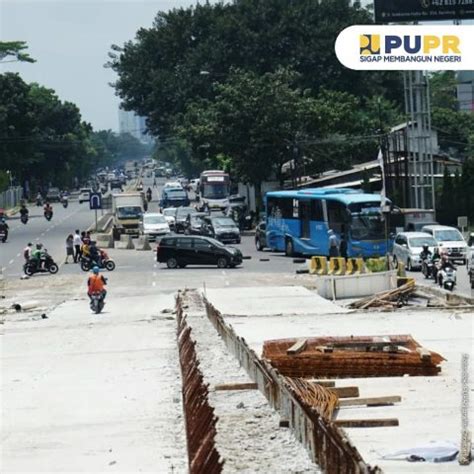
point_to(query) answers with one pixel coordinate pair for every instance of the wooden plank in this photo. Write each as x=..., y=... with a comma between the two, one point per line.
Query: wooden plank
x=323, y=383
x=371, y=401
x=372, y=423
x=236, y=386
x=346, y=392
x=297, y=347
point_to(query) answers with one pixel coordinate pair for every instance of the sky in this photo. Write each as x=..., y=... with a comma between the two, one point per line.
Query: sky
x=70, y=40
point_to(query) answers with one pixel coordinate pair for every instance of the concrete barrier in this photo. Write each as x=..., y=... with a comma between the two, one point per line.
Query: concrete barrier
x=318, y=266
x=337, y=266
x=142, y=243
x=356, y=286
x=355, y=266
x=125, y=242
x=105, y=241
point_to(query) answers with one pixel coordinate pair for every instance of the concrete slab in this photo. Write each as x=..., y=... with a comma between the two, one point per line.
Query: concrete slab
x=430, y=407
x=85, y=392
x=272, y=300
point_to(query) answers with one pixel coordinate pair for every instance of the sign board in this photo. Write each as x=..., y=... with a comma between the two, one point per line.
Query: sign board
x=95, y=201
x=462, y=221
x=398, y=11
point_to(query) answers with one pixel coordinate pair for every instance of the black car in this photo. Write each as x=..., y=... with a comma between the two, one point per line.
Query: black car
x=221, y=228
x=261, y=236
x=181, y=216
x=194, y=223
x=179, y=251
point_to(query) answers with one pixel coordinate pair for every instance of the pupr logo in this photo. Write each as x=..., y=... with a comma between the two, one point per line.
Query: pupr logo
x=369, y=44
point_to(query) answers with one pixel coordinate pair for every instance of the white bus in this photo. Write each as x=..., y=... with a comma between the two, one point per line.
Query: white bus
x=214, y=189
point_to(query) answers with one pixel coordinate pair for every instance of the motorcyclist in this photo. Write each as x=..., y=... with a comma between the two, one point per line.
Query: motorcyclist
x=48, y=209
x=94, y=253
x=148, y=194
x=24, y=211
x=39, y=199
x=4, y=228
x=64, y=199
x=37, y=256
x=425, y=254
x=96, y=283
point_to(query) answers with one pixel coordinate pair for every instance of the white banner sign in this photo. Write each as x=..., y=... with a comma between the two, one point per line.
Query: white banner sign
x=421, y=47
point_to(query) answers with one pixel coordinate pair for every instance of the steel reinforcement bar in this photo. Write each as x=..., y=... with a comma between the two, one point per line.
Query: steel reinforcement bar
x=200, y=421
x=327, y=444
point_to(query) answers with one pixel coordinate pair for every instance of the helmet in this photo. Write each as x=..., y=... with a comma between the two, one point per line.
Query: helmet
x=425, y=247
x=39, y=246
x=95, y=269
x=29, y=244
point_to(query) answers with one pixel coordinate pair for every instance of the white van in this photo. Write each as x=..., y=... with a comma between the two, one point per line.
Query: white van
x=449, y=240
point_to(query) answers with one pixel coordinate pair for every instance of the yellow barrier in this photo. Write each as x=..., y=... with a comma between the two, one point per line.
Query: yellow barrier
x=355, y=266
x=318, y=266
x=337, y=266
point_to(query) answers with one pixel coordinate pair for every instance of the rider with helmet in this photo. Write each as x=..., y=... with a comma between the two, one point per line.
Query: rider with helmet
x=24, y=210
x=425, y=254
x=96, y=283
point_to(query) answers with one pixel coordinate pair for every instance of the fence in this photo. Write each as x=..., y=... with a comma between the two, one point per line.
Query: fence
x=11, y=197
x=327, y=444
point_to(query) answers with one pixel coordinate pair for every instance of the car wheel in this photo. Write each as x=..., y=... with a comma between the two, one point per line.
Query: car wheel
x=258, y=245
x=289, y=248
x=172, y=263
x=409, y=267
x=222, y=262
x=395, y=262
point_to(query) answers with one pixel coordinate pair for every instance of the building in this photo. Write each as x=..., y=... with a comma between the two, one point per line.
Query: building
x=465, y=90
x=135, y=125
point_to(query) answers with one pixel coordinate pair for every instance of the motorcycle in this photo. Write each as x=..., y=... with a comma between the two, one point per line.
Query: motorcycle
x=46, y=265
x=87, y=264
x=447, y=278
x=48, y=215
x=24, y=218
x=97, y=302
x=148, y=197
x=427, y=267
x=3, y=235
x=65, y=203
x=39, y=202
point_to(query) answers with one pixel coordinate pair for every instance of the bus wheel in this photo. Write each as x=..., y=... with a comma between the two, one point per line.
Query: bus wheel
x=289, y=249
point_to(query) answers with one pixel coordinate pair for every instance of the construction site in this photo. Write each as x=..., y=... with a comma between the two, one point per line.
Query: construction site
x=365, y=385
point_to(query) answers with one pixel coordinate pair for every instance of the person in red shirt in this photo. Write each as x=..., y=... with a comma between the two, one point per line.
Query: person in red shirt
x=96, y=283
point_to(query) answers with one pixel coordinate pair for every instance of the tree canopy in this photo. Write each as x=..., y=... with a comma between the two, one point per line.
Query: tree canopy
x=15, y=49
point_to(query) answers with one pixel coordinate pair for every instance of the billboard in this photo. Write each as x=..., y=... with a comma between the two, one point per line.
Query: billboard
x=397, y=11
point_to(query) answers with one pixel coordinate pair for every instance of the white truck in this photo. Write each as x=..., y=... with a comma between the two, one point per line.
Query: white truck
x=128, y=210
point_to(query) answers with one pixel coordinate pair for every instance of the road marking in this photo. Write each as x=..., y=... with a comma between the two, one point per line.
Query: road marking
x=18, y=254
x=153, y=283
x=10, y=262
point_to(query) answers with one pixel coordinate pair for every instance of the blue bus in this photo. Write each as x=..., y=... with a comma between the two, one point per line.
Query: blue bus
x=298, y=221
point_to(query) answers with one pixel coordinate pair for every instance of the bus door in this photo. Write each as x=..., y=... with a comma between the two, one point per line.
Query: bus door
x=305, y=219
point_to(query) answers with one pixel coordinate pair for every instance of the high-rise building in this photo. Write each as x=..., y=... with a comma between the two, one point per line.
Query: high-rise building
x=133, y=124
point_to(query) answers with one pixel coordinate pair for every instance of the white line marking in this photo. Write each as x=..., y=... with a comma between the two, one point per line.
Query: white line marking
x=18, y=254
x=10, y=262
x=154, y=283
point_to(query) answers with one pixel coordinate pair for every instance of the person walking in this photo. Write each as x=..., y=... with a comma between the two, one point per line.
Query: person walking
x=77, y=241
x=69, y=248
x=27, y=252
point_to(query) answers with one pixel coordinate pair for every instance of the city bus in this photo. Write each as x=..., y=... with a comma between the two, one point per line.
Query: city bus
x=214, y=189
x=297, y=222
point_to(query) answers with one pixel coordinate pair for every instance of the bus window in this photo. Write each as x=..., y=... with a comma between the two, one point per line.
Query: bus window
x=337, y=215
x=305, y=218
x=317, y=210
x=280, y=208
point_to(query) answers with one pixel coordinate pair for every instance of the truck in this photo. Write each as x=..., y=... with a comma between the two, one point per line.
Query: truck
x=127, y=209
x=412, y=220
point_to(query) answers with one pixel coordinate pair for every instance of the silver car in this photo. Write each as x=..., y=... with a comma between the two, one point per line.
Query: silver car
x=408, y=246
x=153, y=225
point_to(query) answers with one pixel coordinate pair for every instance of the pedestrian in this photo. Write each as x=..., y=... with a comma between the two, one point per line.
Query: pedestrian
x=343, y=246
x=27, y=252
x=333, y=245
x=69, y=248
x=77, y=241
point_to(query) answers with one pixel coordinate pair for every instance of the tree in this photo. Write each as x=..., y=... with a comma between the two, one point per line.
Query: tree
x=15, y=49
x=159, y=74
x=443, y=90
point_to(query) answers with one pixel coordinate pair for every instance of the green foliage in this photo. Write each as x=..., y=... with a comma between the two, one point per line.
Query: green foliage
x=15, y=49
x=44, y=140
x=4, y=180
x=376, y=264
x=443, y=90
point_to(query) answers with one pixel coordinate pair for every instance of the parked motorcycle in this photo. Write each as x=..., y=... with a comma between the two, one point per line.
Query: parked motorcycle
x=48, y=215
x=87, y=264
x=447, y=278
x=24, y=218
x=47, y=265
x=97, y=302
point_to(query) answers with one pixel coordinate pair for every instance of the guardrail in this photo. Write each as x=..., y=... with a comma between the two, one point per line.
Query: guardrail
x=327, y=444
x=199, y=418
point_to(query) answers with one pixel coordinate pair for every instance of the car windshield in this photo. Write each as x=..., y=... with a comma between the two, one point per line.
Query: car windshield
x=169, y=212
x=223, y=222
x=215, y=191
x=447, y=235
x=367, y=226
x=420, y=241
x=175, y=193
x=129, y=212
x=154, y=220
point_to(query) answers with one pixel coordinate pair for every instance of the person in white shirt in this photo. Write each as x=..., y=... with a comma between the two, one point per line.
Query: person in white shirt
x=77, y=241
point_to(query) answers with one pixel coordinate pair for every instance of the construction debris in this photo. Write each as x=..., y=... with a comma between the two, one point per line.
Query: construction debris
x=387, y=299
x=362, y=356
